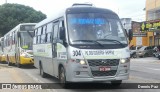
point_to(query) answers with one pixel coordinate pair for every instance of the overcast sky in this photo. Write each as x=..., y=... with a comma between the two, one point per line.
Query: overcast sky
x=124, y=8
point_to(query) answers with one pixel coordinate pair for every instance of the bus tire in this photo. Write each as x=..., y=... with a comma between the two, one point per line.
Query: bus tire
x=116, y=83
x=19, y=65
x=9, y=63
x=62, y=77
x=42, y=73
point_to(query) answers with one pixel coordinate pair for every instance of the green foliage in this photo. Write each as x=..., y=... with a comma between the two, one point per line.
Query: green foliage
x=14, y=14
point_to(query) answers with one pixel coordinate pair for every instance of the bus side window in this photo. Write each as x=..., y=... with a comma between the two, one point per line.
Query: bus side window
x=44, y=29
x=48, y=37
x=34, y=40
x=13, y=37
x=39, y=31
x=55, y=32
x=48, y=30
x=43, y=38
x=35, y=32
x=38, y=39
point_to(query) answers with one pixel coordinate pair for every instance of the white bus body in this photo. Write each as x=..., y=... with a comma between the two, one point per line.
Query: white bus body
x=83, y=44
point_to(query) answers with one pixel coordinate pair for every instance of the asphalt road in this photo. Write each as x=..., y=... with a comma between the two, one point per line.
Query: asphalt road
x=146, y=68
x=143, y=70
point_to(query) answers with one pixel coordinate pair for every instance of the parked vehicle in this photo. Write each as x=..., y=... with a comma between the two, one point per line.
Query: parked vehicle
x=145, y=51
x=158, y=55
x=156, y=51
x=133, y=51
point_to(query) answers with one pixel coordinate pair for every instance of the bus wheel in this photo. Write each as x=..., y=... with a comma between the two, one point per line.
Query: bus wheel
x=62, y=77
x=42, y=73
x=19, y=65
x=9, y=63
x=116, y=83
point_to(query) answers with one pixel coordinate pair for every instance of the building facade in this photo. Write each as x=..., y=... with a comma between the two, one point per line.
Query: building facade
x=153, y=18
x=147, y=33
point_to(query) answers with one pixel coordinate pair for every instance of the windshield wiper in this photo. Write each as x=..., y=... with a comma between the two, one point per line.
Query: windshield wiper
x=94, y=41
x=29, y=33
x=112, y=40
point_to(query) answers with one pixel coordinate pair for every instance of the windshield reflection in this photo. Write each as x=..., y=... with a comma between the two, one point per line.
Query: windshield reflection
x=26, y=40
x=95, y=26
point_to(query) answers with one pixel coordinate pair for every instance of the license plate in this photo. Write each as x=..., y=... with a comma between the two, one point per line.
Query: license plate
x=104, y=68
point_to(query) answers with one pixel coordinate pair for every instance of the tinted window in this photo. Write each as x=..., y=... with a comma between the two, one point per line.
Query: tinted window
x=42, y=38
x=44, y=30
x=34, y=40
x=55, y=30
x=145, y=49
x=94, y=26
x=48, y=37
x=38, y=39
x=39, y=31
x=49, y=27
x=35, y=32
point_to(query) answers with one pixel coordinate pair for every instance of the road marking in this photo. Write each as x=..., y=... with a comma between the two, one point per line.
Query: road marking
x=17, y=78
x=154, y=69
x=38, y=80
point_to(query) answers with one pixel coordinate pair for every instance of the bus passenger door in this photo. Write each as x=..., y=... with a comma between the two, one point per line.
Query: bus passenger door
x=54, y=46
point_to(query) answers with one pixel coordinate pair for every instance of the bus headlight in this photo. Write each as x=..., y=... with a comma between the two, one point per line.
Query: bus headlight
x=82, y=62
x=25, y=55
x=124, y=60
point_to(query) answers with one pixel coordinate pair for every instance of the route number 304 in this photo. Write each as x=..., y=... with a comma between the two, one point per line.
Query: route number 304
x=76, y=53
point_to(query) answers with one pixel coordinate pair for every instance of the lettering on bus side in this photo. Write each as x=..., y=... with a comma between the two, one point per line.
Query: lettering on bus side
x=101, y=52
x=40, y=50
x=62, y=55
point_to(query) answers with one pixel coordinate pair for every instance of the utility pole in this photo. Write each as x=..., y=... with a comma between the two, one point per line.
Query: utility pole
x=6, y=1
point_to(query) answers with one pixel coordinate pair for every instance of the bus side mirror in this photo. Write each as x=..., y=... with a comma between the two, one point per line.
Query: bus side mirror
x=62, y=36
x=62, y=33
x=130, y=34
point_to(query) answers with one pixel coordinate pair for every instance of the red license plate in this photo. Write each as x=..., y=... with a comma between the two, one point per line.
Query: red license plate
x=104, y=68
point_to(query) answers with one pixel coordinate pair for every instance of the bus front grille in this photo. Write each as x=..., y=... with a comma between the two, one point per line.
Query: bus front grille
x=104, y=62
x=106, y=73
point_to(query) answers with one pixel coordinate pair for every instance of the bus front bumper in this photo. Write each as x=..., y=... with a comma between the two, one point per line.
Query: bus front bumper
x=99, y=79
x=86, y=73
x=25, y=61
x=3, y=59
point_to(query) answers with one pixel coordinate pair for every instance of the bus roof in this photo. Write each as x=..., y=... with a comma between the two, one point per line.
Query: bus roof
x=89, y=9
x=47, y=20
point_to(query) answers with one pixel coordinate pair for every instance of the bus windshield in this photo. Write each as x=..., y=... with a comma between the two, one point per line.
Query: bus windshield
x=88, y=27
x=26, y=40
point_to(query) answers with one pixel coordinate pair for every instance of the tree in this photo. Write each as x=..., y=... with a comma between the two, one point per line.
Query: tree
x=13, y=14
